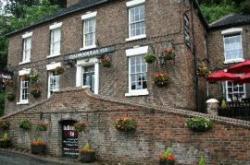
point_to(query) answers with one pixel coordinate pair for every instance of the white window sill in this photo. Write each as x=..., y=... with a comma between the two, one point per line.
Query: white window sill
x=88, y=47
x=53, y=55
x=234, y=61
x=136, y=37
x=137, y=93
x=24, y=62
x=23, y=102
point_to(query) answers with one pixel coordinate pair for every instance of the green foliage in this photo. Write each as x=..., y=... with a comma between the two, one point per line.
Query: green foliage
x=4, y=125
x=87, y=149
x=2, y=99
x=25, y=124
x=126, y=124
x=41, y=127
x=80, y=126
x=245, y=7
x=202, y=161
x=223, y=104
x=199, y=124
x=215, y=12
x=150, y=58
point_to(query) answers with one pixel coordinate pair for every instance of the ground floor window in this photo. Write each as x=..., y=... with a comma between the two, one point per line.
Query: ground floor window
x=53, y=83
x=24, y=91
x=235, y=91
x=87, y=74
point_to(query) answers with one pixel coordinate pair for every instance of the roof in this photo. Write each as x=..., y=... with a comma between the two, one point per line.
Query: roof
x=231, y=20
x=84, y=4
x=72, y=9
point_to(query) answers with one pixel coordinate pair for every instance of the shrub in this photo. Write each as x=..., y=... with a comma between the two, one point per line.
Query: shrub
x=25, y=124
x=5, y=125
x=150, y=58
x=199, y=124
x=41, y=127
x=80, y=126
x=126, y=124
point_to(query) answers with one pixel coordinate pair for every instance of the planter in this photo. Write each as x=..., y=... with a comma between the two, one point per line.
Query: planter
x=167, y=162
x=161, y=83
x=5, y=143
x=38, y=149
x=87, y=157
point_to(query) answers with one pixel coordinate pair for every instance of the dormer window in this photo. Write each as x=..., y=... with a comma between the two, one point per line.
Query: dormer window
x=89, y=31
x=27, y=46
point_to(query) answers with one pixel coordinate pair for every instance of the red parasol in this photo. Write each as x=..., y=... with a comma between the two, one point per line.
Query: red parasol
x=221, y=75
x=243, y=67
x=245, y=78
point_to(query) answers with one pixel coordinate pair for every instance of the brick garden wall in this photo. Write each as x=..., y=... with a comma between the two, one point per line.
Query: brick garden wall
x=158, y=128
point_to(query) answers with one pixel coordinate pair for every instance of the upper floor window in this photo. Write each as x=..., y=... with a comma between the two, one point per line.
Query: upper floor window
x=138, y=81
x=89, y=30
x=233, y=49
x=136, y=11
x=53, y=83
x=235, y=91
x=27, y=46
x=24, y=86
x=55, y=39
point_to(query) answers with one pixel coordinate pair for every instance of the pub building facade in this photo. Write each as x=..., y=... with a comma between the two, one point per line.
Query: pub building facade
x=79, y=37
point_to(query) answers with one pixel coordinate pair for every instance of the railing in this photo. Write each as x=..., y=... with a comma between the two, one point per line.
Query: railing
x=238, y=110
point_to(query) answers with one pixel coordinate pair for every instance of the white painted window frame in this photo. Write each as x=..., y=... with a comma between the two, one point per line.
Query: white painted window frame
x=50, y=68
x=85, y=17
x=232, y=31
x=225, y=84
x=25, y=37
x=53, y=28
x=79, y=72
x=22, y=73
x=136, y=51
x=131, y=4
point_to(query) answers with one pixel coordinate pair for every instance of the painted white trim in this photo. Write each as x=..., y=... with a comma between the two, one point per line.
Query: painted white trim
x=55, y=26
x=232, y=31
x=53, y=55
x=134, y=3
x=25, y=62
x=24, y=72
x=143, y=92
x=234, y=61
x=137, y=51
x=27, y=35
x=53, y=66
x=142, y=36
x=88, y=47
x=89, y=15
x=79, y=72
x=23, y=102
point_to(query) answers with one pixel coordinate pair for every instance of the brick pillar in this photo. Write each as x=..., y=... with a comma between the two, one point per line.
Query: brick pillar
x=72, y=2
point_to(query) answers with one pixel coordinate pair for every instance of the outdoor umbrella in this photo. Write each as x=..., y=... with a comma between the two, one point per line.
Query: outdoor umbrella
x=221, y=75
x=243, y=67
x=245, y=78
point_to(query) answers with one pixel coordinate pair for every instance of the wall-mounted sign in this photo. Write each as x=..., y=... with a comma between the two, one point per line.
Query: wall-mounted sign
x=90, y=53
x=69, y=139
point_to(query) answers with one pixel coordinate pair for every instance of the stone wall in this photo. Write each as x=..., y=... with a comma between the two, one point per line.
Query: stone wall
x=158, y=128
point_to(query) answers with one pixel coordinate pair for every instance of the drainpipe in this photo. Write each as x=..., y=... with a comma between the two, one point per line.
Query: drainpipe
x=195, y=60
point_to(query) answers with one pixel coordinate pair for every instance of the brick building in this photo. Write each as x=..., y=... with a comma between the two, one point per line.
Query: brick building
x=125, y=31
x=79, y=37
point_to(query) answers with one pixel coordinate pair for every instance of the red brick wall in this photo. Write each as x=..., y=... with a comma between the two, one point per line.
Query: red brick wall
x=158, y=128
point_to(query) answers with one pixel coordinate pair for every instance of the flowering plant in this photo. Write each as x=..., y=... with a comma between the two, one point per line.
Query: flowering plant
x=36, y=91
x=169, y=53
x=199, y=124
x=106, y=61
x=203, y=70
x=161, y=79
x=87, y=149
x=38, y=142
x=167, y=157
x=126, y=124
x=80, y=126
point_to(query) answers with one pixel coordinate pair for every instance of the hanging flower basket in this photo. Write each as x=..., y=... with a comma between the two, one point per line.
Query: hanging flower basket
x=36, y=91
x=126, y=124
x=59, y=70
x=4, y=125
x=203, y=70
x=106, y=61
x=169, y=54
x=34, y=77
x=11, y=96
x=87, y=154
x=5, y=141
x=80, y=126
x=9, y=83
x=161, y=79
x=41, y=127
x=150, y=58
x=25, y=125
